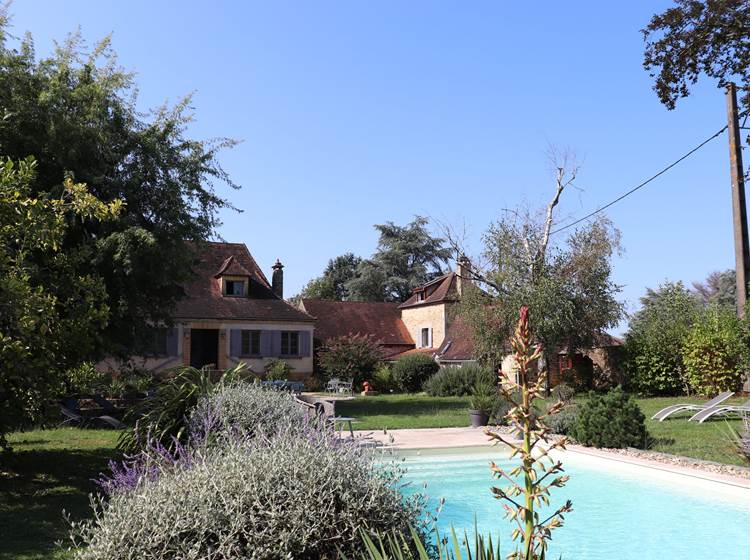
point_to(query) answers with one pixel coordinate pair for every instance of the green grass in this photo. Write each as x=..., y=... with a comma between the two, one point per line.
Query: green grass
x=405, y=411
x=50, y=471
x=708, y=441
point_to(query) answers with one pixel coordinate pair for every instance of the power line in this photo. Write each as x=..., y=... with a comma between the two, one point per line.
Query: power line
x=643, y=184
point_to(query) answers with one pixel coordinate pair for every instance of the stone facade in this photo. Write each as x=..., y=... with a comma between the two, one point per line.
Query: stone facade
x=432, y=316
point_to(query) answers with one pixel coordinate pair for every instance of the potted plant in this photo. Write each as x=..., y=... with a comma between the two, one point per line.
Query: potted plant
x=481, y=404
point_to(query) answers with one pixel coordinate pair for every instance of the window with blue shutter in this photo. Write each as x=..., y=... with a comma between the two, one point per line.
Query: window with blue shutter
x=290, y=343
x=172, y=341
x=266, y=343
x=304, y=344
x=235, y=343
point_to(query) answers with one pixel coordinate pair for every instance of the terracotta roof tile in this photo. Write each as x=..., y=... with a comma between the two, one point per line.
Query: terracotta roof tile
x=203, y=298
x=458, y=344
x=339, y=318
x=232, y=267
x=439, y=290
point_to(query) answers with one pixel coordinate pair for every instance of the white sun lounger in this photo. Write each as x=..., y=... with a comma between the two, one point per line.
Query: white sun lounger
x=720, y=409
x=670, y=410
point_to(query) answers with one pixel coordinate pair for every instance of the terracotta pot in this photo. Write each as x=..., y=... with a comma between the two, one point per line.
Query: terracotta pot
x=478, y=418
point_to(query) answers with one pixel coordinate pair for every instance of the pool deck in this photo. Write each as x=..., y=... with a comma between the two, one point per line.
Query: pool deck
x=443, y=438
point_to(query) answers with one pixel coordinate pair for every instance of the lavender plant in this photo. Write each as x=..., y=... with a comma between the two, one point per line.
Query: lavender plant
x=539, y=472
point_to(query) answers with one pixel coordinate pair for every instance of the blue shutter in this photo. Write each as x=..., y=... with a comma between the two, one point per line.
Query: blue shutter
x=266, y=346
x=275, y=344
x=172, y=339
x=235, y=342
x=304, y=343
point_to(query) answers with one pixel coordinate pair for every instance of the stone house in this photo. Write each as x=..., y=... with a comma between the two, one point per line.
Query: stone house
x=231, y=313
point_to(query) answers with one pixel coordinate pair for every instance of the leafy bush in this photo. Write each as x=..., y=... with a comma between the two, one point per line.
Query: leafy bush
x=245, y=409
x=656, y=337
x=484, y=397
x=352, y=357
x=163, y=417
x=382, y=379
x=291, y=497
x=564, y=393
x=610, y=420
x=84, y=379
x=562, y=423
x=411, y=371
x=458, y=381
x=277, y=369
x=715, y=353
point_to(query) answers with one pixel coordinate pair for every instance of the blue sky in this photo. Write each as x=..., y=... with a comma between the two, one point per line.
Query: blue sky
x=352, y=113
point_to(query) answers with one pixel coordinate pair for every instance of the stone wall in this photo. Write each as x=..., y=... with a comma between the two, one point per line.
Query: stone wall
x=426, y=316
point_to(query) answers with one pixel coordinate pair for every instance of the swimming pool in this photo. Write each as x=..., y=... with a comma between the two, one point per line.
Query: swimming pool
x=620, y=511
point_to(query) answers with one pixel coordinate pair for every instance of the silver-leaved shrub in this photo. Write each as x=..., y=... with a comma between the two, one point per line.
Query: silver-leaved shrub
x=245, y=410
x=270, y=486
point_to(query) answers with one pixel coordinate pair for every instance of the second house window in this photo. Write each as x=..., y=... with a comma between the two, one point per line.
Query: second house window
x=250, y=343
x=289, y=343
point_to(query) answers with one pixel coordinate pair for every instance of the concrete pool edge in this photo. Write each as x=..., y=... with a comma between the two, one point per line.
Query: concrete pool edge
x=430, y=440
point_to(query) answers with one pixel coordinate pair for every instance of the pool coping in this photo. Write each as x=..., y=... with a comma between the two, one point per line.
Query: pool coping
x=428, y=439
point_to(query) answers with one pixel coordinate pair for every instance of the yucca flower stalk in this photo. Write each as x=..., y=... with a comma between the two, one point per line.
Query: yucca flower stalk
x=523, y=498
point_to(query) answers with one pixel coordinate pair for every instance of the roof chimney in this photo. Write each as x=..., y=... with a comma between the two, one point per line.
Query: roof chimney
x=463, y=273
x=277, y=280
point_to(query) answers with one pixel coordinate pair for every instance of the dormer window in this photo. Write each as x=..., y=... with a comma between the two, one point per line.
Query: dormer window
x=420, y=296
x=235, y=288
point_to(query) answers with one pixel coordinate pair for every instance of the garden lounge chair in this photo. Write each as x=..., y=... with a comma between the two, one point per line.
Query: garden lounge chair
x=72, y=415
x=722, y=410
x=675, y=408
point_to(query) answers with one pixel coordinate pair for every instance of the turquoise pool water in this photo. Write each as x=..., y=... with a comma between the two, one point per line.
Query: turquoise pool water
x=620, y=512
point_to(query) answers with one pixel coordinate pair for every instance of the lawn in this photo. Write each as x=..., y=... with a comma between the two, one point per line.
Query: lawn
x=709, y=441
x=51, y=470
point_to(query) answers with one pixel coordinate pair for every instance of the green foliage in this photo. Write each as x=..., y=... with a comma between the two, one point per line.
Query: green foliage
x=52, y=313
x=407, y=256
x=84, y=380
x=412, y=370
x=458, y=381
x=719, y=288
x=350, y=357
x=611, y=420
x=656, y=336
x=695, y=38
x=563, y=421
x=332, y=284
x=163, y=417
x=76, y=112
x=564, y=393
x=567, y=287
x=484, y=397
x=715, y=352
x=382, y=379
x=395, y=546
x=277, y=369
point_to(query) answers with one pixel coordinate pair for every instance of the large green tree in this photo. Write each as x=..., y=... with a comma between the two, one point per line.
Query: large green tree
x=719, y=288
x=332, y=284
x=697, y=38
x=51, y=312
x=406, y=257
x=75, y=112
x=564, y=279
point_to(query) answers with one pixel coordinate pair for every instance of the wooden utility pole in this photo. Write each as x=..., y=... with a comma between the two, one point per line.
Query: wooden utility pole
x=739, y=210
